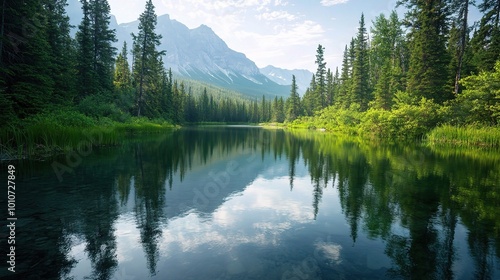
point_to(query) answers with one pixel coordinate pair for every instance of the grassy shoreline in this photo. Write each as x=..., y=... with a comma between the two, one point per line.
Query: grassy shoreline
x=49, y=135
x=465, y=136
x=440, y=136
x=53, y=134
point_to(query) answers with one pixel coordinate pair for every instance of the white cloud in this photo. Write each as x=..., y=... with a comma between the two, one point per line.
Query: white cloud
x=333, y=2
x=283, y=43
x=280, y=3
x=277, y=15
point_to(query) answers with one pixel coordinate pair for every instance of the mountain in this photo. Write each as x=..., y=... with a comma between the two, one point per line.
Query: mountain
x=284, y=77
x=198, y=54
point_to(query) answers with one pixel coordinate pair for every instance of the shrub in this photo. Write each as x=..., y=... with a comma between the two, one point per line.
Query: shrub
x=61, y=118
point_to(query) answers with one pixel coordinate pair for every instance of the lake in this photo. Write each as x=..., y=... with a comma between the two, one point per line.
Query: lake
x=241, y=202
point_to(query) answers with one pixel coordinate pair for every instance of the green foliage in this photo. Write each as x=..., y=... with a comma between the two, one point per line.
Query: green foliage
x=53, y=132
x=409, y=119
x=333, y=119
x=480, y=101
x=97, y=106
x=62, y=118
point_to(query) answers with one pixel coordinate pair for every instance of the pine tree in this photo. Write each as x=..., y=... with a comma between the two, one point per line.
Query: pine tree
x=26, y=85
x=190, y=112
x=102, y=44
x=293, y=102
x=168, y=101
x=274, y=110
x=96, y=53
x=204, y=106
x=63, y=54
x=360, y=69
x=486, y=40
x=388, y=56
x=459, y=39
x=428, y=74
x=280, y=115
x=351, y=59
x=342, y=97
x=330, y=88
x=319, y=94
x=122, y=78
x=146, y=56
x=309, y=98
x=87, y=77
x=336, y=87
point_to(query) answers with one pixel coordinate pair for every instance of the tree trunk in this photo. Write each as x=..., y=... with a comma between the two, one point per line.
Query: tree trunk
x=141, y=83
x=463, y=38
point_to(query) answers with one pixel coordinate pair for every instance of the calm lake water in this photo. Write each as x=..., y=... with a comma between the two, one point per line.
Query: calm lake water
x=250, y=203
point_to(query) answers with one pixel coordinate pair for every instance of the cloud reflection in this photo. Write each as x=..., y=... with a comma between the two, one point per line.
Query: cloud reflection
x=331, y=251
x=252, y=217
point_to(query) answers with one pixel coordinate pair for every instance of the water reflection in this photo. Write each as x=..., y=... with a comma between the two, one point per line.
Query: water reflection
x=245, y=203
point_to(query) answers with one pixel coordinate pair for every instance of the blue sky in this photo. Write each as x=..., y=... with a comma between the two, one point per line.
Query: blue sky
x=282, y=33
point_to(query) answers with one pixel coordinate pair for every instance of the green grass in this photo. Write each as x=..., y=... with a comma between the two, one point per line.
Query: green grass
x=467, y=136
x=58, y=132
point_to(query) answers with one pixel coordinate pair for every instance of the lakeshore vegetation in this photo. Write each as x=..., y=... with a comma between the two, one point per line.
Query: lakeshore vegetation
x=430, y=75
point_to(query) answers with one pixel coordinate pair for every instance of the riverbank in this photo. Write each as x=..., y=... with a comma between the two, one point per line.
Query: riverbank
x=445, y=135
x=60, y=131
x=420, y=121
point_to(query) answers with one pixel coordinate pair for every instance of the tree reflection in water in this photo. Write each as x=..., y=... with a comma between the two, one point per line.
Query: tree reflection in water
x=382, y=189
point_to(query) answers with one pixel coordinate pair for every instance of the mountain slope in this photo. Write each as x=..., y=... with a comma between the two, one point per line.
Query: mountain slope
x=202, y=55
x=284, y=76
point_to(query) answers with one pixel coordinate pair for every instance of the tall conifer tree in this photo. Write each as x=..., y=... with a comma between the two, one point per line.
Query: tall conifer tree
x=102, y=43
x=293, y=102
x=146, y=56
x=428, y=74
x=486, y=40
x=319, y=96
x=360, y=69
x=122, y=78
x=63, y=54
x=27, y=86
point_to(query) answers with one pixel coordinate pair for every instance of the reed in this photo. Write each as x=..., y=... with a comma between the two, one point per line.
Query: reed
x=43, y=138
x=466, y=136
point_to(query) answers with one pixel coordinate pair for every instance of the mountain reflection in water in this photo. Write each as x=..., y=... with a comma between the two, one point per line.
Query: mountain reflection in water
x=250, y=203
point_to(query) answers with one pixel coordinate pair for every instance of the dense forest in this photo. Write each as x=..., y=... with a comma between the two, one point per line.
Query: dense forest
x=401, y=79
x=431, y=69
x=44, y=69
